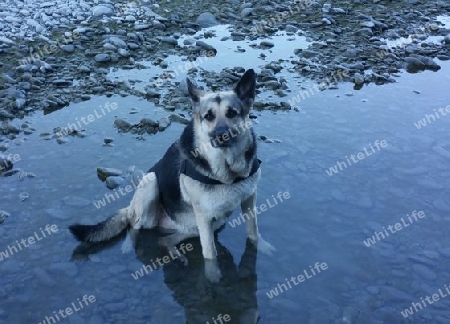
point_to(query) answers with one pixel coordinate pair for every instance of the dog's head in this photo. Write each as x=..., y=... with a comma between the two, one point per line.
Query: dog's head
x=223, y=116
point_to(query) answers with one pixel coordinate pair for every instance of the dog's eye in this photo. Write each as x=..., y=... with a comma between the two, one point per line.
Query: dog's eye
x=209, y=116
x=231, y=113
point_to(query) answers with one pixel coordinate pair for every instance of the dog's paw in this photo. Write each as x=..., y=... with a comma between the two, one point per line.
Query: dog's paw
x=265, y=247
x=212, y=271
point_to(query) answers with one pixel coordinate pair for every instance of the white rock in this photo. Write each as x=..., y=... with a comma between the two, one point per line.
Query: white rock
x=102, y=10
x=117, y=42
x=6, y=40
x=32, y=22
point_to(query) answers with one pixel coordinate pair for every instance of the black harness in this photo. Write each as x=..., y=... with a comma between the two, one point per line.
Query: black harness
x=188, y=169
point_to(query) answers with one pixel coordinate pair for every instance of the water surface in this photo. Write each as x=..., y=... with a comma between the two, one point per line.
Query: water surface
x=326, y=219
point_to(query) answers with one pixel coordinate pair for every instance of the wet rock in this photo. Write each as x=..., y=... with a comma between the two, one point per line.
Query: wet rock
x=189, y=41
x=368, y=24
x=416, y=63
x=266, y=44
x=169, y=40
x=291, y=28
x=447, y=39
x=122, y=125
x=84, y=68
x=123, y=52
x=151, y=93
x=116, y=41
x=148, y=122
x=101, y=58
x=163, y=123
x=206, y=46
x=3, y=216
x=358, y=79
x=104, y=173
x=142, y=26
x=6, y=163
x=246, y=12
x=62, y=83
x=6, y=40
x=113, y=182
x=309, y=53
x=24, y=196
x=175, y=118
x=206, y=20
x=62, y=140
x=68, y=48
x=102, y=10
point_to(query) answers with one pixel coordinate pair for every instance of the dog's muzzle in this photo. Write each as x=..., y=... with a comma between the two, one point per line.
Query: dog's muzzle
x=222, y=137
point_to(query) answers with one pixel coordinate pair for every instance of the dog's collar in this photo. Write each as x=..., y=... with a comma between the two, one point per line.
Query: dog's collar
x=188, y=169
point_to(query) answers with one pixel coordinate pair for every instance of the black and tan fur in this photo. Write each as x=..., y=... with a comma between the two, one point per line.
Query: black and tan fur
x=186, y=206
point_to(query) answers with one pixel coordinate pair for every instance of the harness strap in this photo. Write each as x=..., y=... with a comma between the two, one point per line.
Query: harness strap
x=188, y=169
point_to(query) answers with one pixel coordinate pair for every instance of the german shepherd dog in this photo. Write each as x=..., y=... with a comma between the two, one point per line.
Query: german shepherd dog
x=202, y=178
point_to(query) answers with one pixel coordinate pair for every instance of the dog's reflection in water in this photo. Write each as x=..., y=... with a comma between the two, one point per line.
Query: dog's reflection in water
x=230, y=301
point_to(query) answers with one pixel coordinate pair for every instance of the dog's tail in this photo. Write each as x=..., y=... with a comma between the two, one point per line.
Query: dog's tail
x=102, y=231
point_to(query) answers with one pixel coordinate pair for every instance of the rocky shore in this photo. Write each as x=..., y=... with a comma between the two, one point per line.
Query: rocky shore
x=54, y=53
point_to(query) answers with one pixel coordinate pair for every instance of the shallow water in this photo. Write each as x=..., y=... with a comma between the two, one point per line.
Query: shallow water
x=326, y=219
x=229, y=54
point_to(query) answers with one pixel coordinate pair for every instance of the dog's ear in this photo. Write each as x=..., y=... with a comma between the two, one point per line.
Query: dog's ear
x=194, y=92
x=245, y=89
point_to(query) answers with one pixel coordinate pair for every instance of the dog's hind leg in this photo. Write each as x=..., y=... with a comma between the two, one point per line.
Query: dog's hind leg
x=144, y=210
x=252, y=226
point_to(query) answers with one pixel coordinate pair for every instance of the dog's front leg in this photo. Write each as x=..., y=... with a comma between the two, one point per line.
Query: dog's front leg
x=248, y=206
x=206, y=232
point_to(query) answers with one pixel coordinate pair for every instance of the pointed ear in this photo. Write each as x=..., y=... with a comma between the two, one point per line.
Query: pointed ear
x=245, y=89
x=194, y=92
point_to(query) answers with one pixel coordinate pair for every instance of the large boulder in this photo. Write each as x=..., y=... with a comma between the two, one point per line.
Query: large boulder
x=206, y=20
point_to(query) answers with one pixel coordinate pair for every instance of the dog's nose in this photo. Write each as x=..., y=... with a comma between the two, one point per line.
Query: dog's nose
x=221, y=137
x=221, y=132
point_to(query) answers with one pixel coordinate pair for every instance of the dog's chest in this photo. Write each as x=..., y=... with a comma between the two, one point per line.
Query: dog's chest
x=217, y=200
